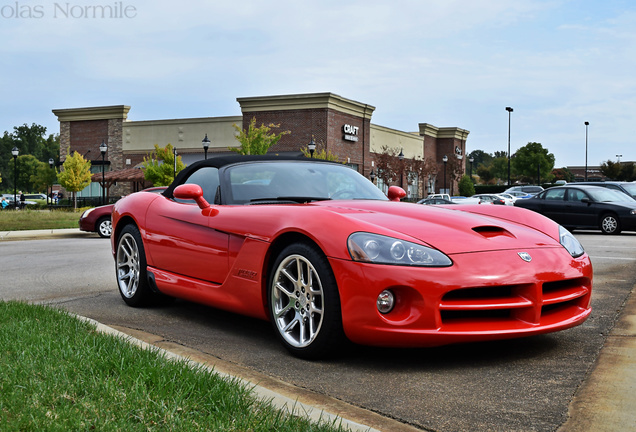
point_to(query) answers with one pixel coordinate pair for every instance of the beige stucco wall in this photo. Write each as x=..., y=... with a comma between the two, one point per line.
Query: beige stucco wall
x=411, y=144
x=184, y=134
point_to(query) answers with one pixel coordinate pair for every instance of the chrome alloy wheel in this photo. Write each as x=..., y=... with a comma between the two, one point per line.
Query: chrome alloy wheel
x=128, y=265
x=105, y=228
x=297, y=301
x=609, y=224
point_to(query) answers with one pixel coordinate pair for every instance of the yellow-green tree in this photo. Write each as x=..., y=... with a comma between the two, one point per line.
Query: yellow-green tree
x=321, y=154
x=159, y=168
x=256, y=140
x=76, y=174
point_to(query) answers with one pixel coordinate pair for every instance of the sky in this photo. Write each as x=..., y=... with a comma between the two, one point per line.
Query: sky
x=449, y=63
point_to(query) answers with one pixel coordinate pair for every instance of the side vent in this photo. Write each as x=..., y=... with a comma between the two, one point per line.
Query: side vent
x=490, y=231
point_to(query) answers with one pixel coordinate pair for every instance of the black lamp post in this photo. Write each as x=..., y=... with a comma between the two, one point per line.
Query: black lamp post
x=401, y=158
x=102, y=149
x=51, y=163
x=586, y=125
x=538, y=173
x=510, y=110
x=471, y=160
x=312, y=146
x=15, y=152
x=445, y=159
x=206, y=144
x=174, y=154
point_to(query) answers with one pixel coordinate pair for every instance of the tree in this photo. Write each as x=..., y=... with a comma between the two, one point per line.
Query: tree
x=44, y=177
x=485, y=174
x=611, y=169
x=499, y=168
x=466, y=187
x=30, y=140
x=627, y=171
x=387, y=164
x=27, y=167
x=256, y=140
x=320, y=154
x=480, y=157
x=563, y=174
x=160, y=170
x=531, y=160
x=76, y=174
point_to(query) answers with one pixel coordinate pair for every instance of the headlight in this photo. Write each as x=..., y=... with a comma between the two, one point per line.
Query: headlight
x=86, y=213
x=378, y=249
x=570, y=243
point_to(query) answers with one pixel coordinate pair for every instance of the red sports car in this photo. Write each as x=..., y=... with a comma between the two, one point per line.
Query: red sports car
x=320, y=252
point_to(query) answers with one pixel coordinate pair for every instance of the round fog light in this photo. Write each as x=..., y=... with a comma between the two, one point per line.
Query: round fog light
x=385, y=302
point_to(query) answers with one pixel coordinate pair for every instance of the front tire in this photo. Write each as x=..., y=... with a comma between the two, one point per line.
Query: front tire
x=304, y=304
x=104, y=227
x=610, y=224
x=130, y=265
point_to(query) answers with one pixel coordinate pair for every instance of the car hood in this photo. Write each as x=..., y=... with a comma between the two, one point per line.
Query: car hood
x=460, y=229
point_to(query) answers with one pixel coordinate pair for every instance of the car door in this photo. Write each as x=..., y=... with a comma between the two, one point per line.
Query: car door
x=179, y=239
x=581, y=209
x=553, y=205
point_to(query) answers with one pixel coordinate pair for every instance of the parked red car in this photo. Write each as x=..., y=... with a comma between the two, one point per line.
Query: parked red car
x=316, y=249
x=97, y=220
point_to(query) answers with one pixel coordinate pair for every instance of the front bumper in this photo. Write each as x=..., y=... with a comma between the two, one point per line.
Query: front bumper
x=482, y=296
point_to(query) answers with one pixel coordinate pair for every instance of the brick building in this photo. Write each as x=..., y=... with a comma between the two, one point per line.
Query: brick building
x=336, y=124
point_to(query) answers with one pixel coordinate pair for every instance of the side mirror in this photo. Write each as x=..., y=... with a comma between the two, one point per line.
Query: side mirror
x=586, y=200
x=191, y=192
x=396, y=193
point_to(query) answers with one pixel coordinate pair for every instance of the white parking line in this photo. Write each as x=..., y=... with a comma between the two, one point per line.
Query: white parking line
x=612, y=258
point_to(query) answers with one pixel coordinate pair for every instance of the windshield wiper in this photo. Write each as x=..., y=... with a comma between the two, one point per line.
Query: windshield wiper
x=294, y=199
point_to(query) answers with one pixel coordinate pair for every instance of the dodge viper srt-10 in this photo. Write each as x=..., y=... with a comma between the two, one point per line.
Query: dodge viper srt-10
x=319, y=251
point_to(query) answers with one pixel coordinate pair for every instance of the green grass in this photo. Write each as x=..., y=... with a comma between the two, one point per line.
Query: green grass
x=11, y=220
x=59, y=373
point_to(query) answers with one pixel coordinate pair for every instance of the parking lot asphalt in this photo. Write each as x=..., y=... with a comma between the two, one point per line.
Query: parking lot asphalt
x=604, y=402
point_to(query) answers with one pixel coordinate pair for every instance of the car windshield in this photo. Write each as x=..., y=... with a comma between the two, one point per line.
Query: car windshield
x=631, y=188
x=608, y=195
x=296, y=182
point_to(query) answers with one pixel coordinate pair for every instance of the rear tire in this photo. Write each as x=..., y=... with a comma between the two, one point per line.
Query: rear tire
x=130, y=267
x=610, y=224
x=304, y=303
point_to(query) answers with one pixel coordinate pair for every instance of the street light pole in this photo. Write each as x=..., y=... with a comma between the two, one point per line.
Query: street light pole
x=401, y=158
x=586, y=125
x=206, y=144
x=103, y=148
x=51, y=163
x=15, y=152
x=445, y=159
x=471, y=160
x=174, y=171
x=510, y=110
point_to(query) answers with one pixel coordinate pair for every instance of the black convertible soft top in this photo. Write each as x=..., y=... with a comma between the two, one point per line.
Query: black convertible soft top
x=221, y=161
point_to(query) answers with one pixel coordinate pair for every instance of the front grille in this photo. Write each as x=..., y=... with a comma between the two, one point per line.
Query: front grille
x=488, y=307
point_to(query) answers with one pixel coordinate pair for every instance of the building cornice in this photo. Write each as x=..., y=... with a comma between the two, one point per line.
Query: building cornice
x=427, y=129
x=306, y=101
x=92, y=113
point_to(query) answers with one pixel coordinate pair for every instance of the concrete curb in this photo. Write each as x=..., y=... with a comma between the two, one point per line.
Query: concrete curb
x=43, y=234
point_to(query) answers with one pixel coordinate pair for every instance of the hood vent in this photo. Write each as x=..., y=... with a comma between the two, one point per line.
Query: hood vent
x=490, y=231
